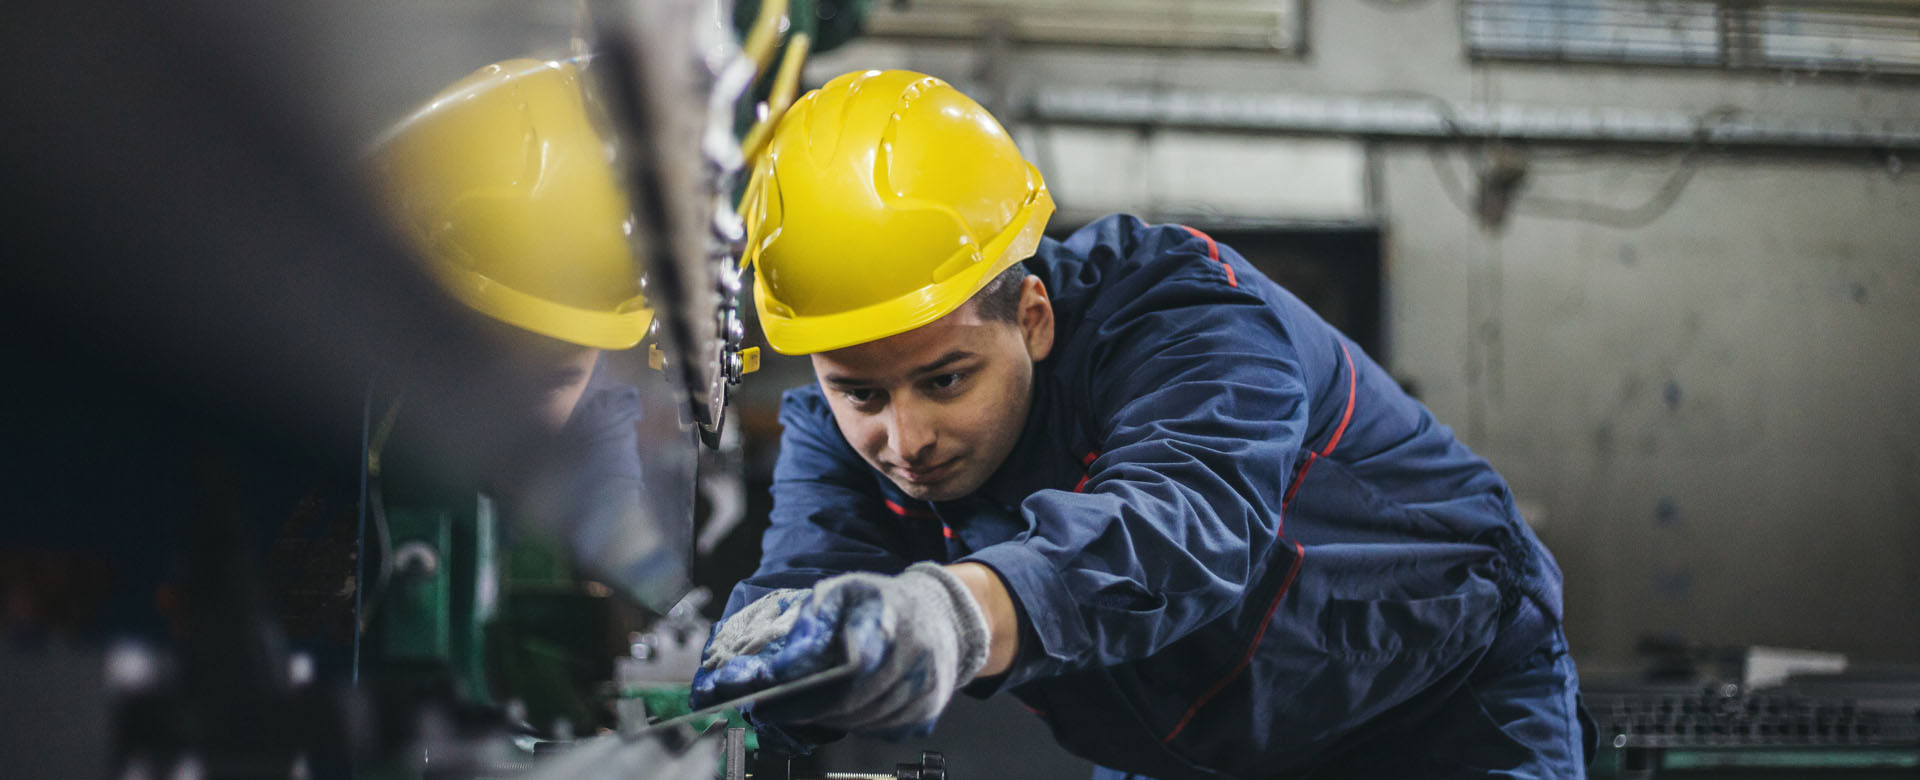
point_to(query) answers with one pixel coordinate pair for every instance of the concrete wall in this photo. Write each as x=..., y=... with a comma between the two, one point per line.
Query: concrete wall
x=1714, y=417
x=1717, y=412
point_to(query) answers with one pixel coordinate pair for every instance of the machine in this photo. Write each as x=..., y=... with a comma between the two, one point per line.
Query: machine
x=278, y=520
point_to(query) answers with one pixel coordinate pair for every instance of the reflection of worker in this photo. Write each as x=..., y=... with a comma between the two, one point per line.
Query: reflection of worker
x=541, y=377
x=504, y=186
x=1130, y=480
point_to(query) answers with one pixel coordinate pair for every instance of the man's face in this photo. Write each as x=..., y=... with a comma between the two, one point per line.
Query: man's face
x=938, y=408
x=542, y=378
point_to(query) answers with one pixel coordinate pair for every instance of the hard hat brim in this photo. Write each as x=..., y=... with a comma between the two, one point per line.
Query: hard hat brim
x=622, y=328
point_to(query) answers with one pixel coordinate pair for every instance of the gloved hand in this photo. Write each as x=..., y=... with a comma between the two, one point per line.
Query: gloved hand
x=915, y=638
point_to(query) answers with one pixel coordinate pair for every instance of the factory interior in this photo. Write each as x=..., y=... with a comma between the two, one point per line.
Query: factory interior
x=297, y=491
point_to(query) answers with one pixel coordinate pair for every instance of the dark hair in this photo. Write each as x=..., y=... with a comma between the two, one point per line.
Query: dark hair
x=999, y=301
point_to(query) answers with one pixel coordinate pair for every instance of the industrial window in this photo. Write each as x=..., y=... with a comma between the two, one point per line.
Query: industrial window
x=1254, y=25
x=1861, y=36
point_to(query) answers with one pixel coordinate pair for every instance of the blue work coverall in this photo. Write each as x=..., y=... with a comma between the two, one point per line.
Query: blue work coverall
x=1236, y=547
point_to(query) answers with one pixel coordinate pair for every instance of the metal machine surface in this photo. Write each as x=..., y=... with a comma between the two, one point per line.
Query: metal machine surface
x=1853, y=725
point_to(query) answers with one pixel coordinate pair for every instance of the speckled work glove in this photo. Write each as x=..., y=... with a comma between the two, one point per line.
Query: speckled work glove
x=914, y=637
x=747, y=631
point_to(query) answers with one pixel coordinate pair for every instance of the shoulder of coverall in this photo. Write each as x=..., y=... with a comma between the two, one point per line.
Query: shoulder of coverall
x=1119, y=274
x=1120, y=256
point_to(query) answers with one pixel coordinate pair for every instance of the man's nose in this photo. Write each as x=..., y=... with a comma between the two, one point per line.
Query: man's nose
x=911, y=432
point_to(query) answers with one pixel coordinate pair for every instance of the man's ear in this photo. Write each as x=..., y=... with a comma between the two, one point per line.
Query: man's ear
x=1036, y=318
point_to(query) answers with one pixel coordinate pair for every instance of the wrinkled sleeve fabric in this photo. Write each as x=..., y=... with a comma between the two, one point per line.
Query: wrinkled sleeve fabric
x=593, y=486
x=828, y=515
x=1194, y=386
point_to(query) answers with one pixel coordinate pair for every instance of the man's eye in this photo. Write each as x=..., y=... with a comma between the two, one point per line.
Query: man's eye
x=861, y=395
x=946, y=381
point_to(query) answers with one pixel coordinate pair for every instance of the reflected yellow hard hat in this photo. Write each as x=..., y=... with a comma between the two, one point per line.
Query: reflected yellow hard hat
x=508, y=191
x=885, y=200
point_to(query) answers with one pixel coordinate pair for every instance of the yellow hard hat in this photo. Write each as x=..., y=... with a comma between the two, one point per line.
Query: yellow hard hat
x=507, y=190
x=885, y=200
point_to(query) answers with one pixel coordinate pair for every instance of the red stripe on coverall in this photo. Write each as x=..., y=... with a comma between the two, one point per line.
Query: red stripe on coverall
x=921, y=514
x=902, y=511
x=1353, y=384
x=1213, y=251
x=1300, y=552
x=1087, y=462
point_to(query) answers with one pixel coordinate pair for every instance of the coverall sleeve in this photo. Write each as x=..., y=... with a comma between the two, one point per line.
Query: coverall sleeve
x=1196, y=390
x=827, y=517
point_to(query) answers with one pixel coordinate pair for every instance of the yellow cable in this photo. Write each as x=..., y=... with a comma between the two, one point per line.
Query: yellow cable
x=786, y=85
x=765, y=33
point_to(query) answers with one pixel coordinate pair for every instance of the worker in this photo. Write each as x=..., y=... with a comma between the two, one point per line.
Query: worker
x=1123, y=476
x=503, y=184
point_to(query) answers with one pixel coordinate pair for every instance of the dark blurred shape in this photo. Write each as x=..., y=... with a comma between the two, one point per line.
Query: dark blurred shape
x=187, y=243
x=54, y=593
x=209, y=318
x=53, y=725
x=198, y=294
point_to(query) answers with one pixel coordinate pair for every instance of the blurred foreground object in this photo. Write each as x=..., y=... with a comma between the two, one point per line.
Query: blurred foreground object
x=202, y=291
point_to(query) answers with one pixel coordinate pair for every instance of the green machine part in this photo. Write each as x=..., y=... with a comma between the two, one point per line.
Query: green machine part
x=505, y=621
x=551, y=639
x=443, y=592
x=662, y=701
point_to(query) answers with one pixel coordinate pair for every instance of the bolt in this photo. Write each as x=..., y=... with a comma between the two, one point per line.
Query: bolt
x=736, y=330
x=416, y=559
x=733, y=367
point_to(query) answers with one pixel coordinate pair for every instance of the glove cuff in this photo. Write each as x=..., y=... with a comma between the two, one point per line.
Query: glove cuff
x=969, y=622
